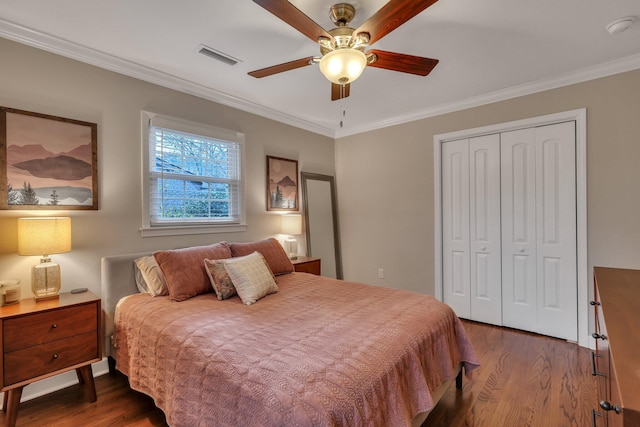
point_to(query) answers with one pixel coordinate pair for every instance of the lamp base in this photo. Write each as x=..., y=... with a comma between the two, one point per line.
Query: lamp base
x=291, y=247
x=45, y=280
x=46, y=297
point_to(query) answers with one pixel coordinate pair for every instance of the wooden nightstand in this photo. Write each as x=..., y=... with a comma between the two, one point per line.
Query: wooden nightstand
x=47, y=338
x=305, y=264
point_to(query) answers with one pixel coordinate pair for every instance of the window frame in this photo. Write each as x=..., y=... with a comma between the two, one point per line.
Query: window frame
x=149, y=229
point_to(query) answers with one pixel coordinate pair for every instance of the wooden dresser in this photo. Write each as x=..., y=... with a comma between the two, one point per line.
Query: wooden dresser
x=46, y=338
x=616, y=361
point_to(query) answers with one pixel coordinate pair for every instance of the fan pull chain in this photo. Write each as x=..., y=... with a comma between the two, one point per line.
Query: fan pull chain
x=343, y=113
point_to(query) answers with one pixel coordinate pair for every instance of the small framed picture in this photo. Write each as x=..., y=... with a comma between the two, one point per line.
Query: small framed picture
x=282, y=184
x=47, y=162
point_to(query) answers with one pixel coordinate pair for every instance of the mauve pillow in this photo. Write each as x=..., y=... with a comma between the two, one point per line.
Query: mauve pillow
x=273, y=253
x=184, y=270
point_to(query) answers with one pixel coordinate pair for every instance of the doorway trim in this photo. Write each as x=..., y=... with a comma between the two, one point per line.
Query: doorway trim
x=580, y=117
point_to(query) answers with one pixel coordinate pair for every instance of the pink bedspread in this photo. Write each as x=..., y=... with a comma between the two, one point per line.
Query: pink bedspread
x=319, y=352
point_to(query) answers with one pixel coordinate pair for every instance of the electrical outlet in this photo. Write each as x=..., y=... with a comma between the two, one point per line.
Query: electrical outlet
x=381, y=273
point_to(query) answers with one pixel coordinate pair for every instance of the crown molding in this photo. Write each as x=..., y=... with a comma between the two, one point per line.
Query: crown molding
x=69, y=49
x=618, y=66
x=66, y=48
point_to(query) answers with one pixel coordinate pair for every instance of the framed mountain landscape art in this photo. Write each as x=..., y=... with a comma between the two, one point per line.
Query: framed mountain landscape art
x=47, y=162
x=282, y=184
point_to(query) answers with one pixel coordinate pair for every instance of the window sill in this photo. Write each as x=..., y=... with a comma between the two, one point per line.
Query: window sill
x=192, y=229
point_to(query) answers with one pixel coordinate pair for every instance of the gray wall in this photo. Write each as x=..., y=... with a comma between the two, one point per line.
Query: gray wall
x=35, y=80
x=385, y=182
x=384, y=177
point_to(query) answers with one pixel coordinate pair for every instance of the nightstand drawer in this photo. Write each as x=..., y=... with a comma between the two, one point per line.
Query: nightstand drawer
x=40, y=339
x=308, y=267
x=32, y=362
x=26, y=331
x=306, y=264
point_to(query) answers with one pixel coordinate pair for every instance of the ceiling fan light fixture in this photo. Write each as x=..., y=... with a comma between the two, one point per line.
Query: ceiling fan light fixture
x=342, y=66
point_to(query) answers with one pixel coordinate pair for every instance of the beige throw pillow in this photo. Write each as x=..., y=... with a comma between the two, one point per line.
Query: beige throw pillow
x=251, y=277
x=149, y=277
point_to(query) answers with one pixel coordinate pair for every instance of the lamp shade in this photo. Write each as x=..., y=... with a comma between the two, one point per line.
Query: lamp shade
x=342, y=66
x=44, y=236
x=291, y=224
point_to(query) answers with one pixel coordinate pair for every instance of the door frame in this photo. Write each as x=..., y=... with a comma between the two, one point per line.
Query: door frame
x=580, y=117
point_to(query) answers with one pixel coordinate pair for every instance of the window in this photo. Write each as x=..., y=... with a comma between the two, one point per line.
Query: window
x=192, y=176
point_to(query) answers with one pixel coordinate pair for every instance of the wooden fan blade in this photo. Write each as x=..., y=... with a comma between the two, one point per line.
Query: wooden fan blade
x=391, y=16
x=340, y=91
x=294, y=17
x=403, y=63
x=275, y=69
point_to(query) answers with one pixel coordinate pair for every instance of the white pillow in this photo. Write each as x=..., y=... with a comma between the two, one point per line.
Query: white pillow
x=251, y=277
x=149, y=277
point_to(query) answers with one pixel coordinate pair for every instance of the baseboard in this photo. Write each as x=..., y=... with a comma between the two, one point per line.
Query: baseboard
x=49, y=385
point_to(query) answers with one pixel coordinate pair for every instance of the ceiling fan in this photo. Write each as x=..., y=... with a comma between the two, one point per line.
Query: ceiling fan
x=343, y=48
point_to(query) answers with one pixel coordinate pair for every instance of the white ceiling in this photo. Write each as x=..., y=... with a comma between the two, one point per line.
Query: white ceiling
x=488, y=50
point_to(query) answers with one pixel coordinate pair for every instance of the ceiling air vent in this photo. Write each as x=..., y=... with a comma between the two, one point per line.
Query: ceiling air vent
x=216, y=54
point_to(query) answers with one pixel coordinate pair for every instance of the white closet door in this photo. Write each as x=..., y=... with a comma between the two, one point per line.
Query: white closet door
x=556, y=231
x=518, y=178
x=484, y=215
x=539, y=230
x=455, y=226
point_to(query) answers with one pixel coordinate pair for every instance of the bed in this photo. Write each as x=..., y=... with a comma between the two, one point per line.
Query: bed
x=319, y=351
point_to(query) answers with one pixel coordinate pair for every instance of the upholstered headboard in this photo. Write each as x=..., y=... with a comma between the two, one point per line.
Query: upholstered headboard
x=117, y=278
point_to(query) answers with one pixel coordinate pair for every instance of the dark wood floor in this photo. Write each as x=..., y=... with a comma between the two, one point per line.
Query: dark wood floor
x=117, y=405
x=525, y=380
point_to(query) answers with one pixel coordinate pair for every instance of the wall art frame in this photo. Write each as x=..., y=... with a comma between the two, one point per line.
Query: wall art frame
x=47, y=162
x=282, y=184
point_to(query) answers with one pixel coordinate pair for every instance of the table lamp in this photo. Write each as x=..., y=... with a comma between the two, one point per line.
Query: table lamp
x=44, y=236
x=291, y=225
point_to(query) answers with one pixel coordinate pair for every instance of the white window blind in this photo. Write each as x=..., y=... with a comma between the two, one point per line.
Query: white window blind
x=194, y=174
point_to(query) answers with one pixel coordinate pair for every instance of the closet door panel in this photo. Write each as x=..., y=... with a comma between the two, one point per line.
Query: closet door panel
x=556, y=232
x=455, y=226
x=518, y=195
x=484, y=200
x=509, y=229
